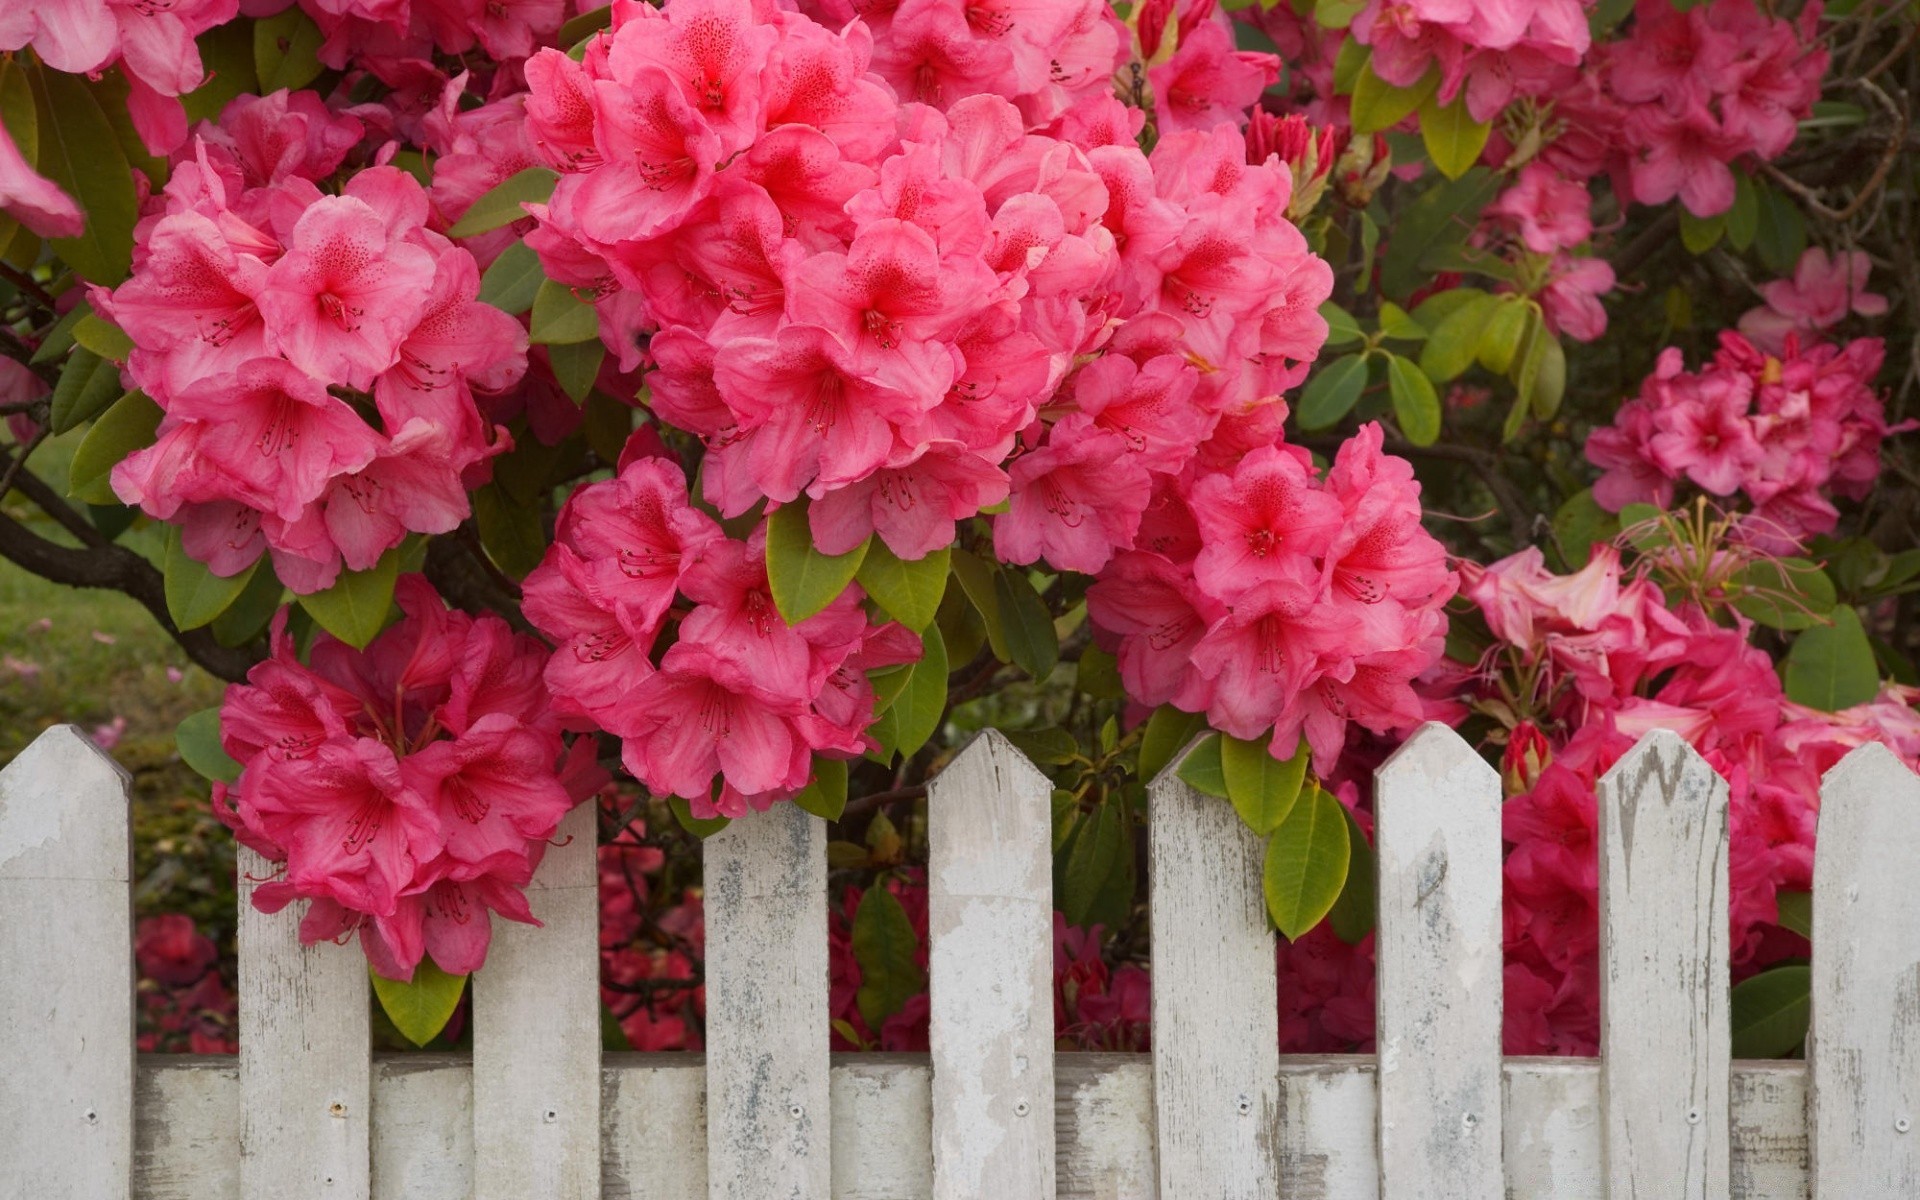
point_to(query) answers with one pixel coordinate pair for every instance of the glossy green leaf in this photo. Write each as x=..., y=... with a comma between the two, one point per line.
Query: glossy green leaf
x=198, y=740
x=286, y=50
x=1542, y=377
x=885, y=947
x=976, y=580
x=1167, y=733
x=512, y=533
x=195, y=595
x=1027, y=624
x=1342, y=328
x=1397, y=324
x=1831, y=666
x=1416, y=406
x=700, y=827
x=1336, y=14
x=355, y=608
x=1578, y=524
x=560, y=317
x=1770, y=1012
x=1782, y=234
x=131, y=424
x=585, y=25
x=1783, y=593
x=502, y=204
x=1701, y=234
x=103, y=337
x=803, y=580
x=1261, y=788
x=825, y=795
x=1506, y=328
x=422, y=1008
x=1097, y=673
x=1453, y=138
x=1203, y=769
x=1092, y=856
x=1049, y=747
x=1796, y=911
x=1379, y=105
x=1306, y=864
x=910, y=592
x=1434, y=226
x=1333, y=391
x=1743, y=219
x=88, y=385
x=80, y=151
x=226, y=54
x=576, y=365
x=1454, y=343
x=1352, y=916
x=247, y=617
x=915, y=713
x=513, y=279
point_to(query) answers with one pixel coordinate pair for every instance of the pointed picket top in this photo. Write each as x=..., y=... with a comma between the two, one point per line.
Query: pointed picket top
x=990, y=774
x=1863, y=1046
x=1438, y=944
x=1665, y=1026
x=66, y=971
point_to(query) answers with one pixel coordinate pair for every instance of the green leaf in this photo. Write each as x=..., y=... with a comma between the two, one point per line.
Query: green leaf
x=1453, y=138
x=560, y=317
x=1333, y=391
x=1782, y=235
x=1396, y=324
x=88, y=384
x=1783, y=593
x=700, y=827
x=1453, y=343
x=1028, y=626
x=1261, y=788
x=247, y=617
x=421, y=1009
x=915, y=714
x=576, y=365
x=286, y=51
x=1306, y=864
x=198, y=740
x=1204, y=768
x=1092, y=855
x=825, y=795
x=502, y=203
x=1336, y=14
x=1379, y=105
x=1506, y=328
x=59, y=339
x=803, y=580
x=1352, y=915
x=1831, y=667
x=1578, y=524
x=1098, y=674
x=1347, y=63
x=910, y=592
x=976, y=580
x=1743, y=219
x=1048, y=747
x=131, y=424
x=513, y=279
x=1542, y=378
x=585, y=25
x=355, y=608
x=1342, y=328
x=1770, y=1012
x=1416, y=406
x=885, y=947
x=1701, y=234
x=1167, y=733
x=103, y=337
x=226, y=53
x=512, y=533
x=1435, y=225
x=195, y=595
x=1796, y=912
x=80, y=151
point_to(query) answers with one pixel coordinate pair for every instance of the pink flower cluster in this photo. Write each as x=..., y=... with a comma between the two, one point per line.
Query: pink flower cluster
x=1672, y=105
x=738, y=696
x=1821, y=294
x=1278, y=603
x=257, y=302
x=1786, y=431
x=407, y=791
x=398, y=39
x=1493, y=51
x=1549, y=215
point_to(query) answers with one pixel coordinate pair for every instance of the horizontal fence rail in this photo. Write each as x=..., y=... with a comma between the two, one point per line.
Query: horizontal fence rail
x=1214, y=1113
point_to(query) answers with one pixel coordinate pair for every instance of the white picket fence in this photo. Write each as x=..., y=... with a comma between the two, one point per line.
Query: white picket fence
x=1214, y=1113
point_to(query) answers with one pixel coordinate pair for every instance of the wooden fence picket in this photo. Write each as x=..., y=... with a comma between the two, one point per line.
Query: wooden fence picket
x=768, y=1113
x=990, y=927
x=1438, y=949
x=536, y=1035
x=1665, y=1030
x=1216, y=1057
x=1863, y=1050
x=66, y=972
x=306, y=1089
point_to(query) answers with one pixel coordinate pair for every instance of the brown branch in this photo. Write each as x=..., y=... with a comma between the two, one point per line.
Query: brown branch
x=14, y=467
x=29, y=285
x=867, y=804
x=35, y=489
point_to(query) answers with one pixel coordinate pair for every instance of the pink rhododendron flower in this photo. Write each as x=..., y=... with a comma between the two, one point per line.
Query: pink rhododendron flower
x=1822, y=292
x=32, y=199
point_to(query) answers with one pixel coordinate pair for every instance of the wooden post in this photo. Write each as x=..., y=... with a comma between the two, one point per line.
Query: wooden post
x=1863, y=1049
x=536, y=1034
x=1439, y=990
x=1665, y=1032
x=66, y=972
x=990, y=923
x=1216, y=1055
x=768, y=1120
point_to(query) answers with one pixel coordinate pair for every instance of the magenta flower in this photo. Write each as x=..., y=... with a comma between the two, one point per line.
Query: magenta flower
x=1260, y=522
x=1076, y=500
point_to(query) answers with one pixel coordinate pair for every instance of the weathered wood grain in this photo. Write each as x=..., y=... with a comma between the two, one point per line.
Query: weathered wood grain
x=1215, y=1005
x=189, y=1108
x=305, y=1075
x=66, y=972
x=768, y=1120
x=536, y=1034
x=990, y=960
x=1439, y=986
x=1664, y=944
x=1864, y=1045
